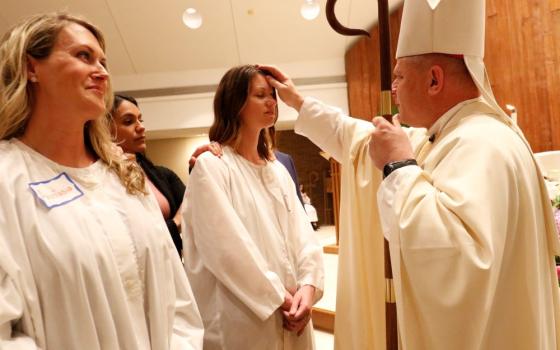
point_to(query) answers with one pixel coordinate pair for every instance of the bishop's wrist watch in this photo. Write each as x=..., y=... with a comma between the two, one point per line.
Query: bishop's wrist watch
x=392, y=166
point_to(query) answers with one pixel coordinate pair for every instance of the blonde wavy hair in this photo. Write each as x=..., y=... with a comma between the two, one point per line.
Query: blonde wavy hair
x=35, y=37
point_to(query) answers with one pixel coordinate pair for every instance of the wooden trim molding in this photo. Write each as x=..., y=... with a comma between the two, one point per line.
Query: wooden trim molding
x=330, y=249
x=323, y=319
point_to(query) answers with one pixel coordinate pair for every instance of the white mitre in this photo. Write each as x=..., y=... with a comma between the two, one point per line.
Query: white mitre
x=454, y=27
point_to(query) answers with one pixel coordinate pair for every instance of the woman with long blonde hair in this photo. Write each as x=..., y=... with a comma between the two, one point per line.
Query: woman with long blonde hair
x=84, y=259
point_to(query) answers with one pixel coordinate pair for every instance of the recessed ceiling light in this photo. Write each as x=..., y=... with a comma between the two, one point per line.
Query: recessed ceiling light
x=310, y=9
x=192, y=18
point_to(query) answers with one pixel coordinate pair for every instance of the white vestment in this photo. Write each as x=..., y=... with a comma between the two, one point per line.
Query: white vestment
x=471, y=233
x=95, y=270
x=360, y=296
x=247, y=240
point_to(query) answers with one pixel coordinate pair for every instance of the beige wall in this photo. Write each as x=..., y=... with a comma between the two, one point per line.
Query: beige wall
x=174, y=153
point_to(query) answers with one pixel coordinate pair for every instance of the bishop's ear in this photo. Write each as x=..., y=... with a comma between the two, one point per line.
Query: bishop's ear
x=437, y=80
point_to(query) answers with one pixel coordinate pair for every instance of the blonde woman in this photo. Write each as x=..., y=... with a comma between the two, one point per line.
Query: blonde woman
x=250, y=253
x=85, y=261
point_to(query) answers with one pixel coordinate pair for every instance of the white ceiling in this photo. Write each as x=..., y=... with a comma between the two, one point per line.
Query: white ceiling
x=150, y=48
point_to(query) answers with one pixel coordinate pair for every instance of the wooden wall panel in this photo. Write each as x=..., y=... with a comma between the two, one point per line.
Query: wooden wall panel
x=522, y=57
x=552, y=63
x=362, y=70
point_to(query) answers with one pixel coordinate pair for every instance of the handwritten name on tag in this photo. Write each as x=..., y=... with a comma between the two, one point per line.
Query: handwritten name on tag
x=59, y=190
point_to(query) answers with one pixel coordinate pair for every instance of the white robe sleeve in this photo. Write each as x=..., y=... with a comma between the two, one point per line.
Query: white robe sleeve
x=226, y=248
x=11, y=309
x=450, y=209
x=309, y=258
x=188, y=330
x=12, y=303
x=328, y=128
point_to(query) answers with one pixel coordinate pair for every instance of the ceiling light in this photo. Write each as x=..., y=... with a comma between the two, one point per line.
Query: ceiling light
x=310, y=9
x=192, y=18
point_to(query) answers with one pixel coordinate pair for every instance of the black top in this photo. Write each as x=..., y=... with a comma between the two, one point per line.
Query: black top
x=171, y=187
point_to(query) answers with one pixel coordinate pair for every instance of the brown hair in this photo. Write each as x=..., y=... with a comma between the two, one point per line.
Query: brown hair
x=229, y=100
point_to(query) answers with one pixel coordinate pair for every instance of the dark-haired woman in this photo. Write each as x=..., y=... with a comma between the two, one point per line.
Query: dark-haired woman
x=130, y=135
x=250, y=254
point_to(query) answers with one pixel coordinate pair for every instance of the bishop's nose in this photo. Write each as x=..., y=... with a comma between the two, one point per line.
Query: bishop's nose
x=394, y=92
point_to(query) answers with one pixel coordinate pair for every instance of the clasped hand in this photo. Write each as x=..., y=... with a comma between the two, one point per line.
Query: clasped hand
x=296, y=309
x=388, y=143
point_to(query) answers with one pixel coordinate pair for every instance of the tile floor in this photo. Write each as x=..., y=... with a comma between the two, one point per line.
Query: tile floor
x=323, y=341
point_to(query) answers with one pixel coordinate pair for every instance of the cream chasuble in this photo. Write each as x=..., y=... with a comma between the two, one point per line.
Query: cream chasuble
x=455, y=270
x=472, y=239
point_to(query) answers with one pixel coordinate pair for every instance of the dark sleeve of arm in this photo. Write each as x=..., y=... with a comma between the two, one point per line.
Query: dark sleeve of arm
x=176, y=185
x=176, y=188
x=296, y=181
x=175, y=235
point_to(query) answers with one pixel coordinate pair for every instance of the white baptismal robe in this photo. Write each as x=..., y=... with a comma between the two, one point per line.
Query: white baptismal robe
x=471, y=233
x=96, y=272
x=247, y=240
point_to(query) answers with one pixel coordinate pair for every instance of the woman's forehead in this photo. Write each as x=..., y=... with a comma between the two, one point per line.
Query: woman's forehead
x=260, y=82
x=74, y=34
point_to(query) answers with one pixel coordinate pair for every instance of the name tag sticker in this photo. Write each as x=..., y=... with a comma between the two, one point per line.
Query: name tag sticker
x=59, y=190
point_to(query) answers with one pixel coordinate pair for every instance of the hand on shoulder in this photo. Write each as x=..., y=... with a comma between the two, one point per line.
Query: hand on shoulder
x=213, y=148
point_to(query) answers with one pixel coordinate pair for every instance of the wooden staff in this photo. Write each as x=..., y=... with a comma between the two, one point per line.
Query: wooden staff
x=385, y=111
